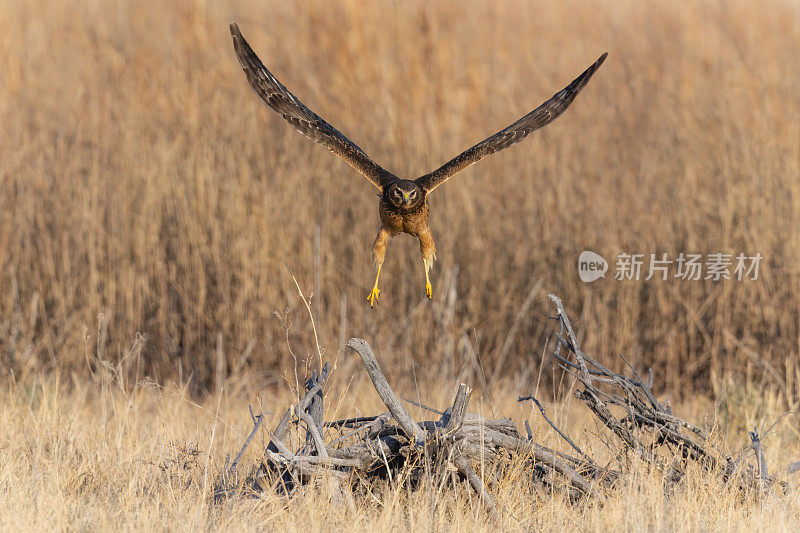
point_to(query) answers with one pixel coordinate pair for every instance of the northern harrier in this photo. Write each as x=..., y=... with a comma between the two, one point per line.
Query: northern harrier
x=403, y=203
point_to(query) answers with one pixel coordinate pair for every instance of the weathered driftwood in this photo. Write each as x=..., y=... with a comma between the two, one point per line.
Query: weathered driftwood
x=382, y=445
x=362, y=448
x=647, y=428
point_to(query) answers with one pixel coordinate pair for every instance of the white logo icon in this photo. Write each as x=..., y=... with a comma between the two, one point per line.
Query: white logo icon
x=591, y=266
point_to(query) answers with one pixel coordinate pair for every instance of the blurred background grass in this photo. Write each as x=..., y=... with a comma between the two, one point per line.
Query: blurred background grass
x=146, y=190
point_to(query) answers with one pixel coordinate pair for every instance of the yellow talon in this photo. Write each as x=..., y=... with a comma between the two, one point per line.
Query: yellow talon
x=373, y=296
x=428, y=288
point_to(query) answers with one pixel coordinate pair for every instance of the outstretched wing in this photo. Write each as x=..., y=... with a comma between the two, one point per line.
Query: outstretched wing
x=538, y=118
x=276, y=96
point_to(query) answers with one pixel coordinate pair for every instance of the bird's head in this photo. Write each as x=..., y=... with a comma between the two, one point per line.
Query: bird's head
x=404, y=195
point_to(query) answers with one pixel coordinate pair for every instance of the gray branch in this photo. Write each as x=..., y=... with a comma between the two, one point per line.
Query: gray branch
x=389, y=398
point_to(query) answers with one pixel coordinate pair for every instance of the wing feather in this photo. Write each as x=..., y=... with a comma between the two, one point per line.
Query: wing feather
x=538, y=118
x=281, y=100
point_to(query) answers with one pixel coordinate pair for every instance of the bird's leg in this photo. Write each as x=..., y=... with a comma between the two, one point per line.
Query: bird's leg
x=378, y=255
x=428, y=249
x=428, y=287
x=373, y=295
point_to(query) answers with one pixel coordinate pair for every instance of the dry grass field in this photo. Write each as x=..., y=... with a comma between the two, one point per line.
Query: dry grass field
x=97, y=457
x=152, y=208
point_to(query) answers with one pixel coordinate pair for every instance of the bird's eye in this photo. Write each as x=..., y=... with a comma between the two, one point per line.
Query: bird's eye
x=412, y=194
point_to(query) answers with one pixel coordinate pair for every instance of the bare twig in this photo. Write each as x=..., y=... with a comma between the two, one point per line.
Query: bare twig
x=552, y=425
x=314, y=411
x=572, y=337
x=423, y=406
x=257, y=424
x=761, y=460
x=350, y=422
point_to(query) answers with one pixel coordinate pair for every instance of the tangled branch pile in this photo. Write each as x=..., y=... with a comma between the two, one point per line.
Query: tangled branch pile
x=444, y=450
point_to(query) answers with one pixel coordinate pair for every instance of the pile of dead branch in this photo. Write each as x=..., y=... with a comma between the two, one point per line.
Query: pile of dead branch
x=364, y=449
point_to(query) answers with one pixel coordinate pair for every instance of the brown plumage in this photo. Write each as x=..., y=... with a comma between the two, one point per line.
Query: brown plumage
x=403, y=203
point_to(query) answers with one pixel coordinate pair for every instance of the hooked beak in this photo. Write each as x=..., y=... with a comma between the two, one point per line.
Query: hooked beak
x=405, y=198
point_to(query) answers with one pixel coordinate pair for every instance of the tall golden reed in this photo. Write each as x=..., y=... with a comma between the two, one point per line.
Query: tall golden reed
x=145, y=189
